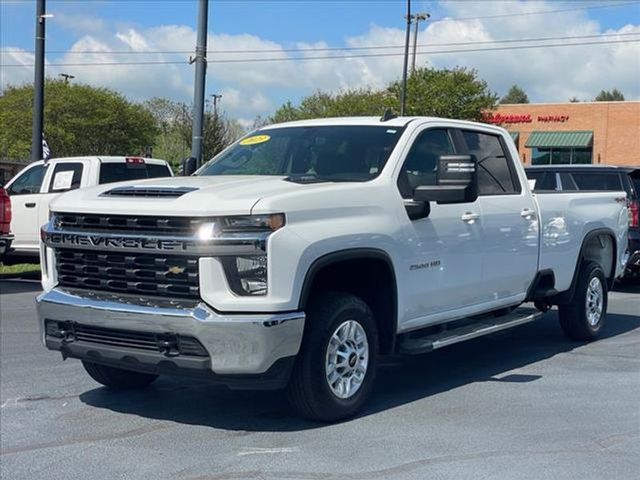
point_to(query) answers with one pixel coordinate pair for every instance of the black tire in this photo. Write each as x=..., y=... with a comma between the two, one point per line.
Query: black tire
x=573, y=316
x=309, y=391
x=117, y=378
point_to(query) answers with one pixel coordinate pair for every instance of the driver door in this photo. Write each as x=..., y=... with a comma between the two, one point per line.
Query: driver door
x=25, y=198
x=441, y=250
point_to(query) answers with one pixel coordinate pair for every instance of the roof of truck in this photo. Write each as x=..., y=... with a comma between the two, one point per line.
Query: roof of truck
x=363, y=121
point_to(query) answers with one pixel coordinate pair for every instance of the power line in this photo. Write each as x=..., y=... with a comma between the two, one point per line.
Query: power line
x=336, y=49
x=334, y=57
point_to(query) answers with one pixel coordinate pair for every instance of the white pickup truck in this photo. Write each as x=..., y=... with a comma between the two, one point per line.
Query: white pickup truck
x=36, y=185
x=304, y=251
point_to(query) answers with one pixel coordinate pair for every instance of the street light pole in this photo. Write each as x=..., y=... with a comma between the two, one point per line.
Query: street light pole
x=38, y=84
x=418, y=17
x=66, y=77
x=403, y=92
x=216, y=97
x=201, y=71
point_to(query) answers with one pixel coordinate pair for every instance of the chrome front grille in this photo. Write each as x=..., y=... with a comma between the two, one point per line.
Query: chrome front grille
x=163, y=225
x=148, y=274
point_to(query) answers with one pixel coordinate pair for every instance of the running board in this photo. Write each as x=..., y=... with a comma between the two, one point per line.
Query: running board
x=413, y=345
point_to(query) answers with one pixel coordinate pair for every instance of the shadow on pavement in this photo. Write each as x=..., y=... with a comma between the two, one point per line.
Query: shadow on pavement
x=401, y=380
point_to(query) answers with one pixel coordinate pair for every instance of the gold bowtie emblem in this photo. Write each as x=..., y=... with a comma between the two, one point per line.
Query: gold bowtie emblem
x=175, y=269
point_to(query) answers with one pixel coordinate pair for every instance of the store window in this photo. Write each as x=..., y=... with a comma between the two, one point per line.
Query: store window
x=561, y=156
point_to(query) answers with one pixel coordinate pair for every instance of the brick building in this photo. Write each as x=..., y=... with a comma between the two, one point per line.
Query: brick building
x=584, y=132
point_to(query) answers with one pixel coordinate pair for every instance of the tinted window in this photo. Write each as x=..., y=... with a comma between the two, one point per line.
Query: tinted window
x=494, y=172
x=120, y=172
x=567, y=182
x=331, y=153
x=635, y=180
x=66, y=176
x=420, y=166
x=544, y=180
x=597, y=181
x=29, y=182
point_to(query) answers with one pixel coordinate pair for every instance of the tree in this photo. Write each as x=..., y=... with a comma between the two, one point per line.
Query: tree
x=79, y=120
x=614, y=95
x=574, y=99
x=515, y=95
x=174, y=121
x=345, y=103
x=456, y=93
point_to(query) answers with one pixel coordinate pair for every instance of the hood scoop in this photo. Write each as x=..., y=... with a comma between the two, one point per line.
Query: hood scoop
x=149, y=192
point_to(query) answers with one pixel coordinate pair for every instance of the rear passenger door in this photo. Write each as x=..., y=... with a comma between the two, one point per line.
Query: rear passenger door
x=509, y=219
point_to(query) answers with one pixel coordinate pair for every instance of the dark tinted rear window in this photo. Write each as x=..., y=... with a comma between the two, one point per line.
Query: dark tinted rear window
x=544, y=180
x=597, y=181
x=120, y=172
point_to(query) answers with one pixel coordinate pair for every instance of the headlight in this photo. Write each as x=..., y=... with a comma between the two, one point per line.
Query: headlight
x=246, y=275
x=253, y=223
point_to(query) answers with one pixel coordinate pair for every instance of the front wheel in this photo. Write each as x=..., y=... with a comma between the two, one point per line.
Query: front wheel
x=336, y=366
x=582, y=319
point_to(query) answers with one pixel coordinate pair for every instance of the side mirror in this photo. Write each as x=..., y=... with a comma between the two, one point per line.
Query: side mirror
x=189, y=166
x=457, y=181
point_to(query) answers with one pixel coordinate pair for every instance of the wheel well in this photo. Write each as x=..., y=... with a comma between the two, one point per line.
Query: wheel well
x=601, y=248
x=369, y=277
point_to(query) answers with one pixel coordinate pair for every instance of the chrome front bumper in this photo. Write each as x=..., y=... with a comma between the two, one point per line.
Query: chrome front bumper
x=237, y=344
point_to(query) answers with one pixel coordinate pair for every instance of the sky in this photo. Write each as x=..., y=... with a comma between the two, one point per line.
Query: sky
x=246, y=37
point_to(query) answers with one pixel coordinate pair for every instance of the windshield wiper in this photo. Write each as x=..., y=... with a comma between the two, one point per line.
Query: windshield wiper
x=307, y=178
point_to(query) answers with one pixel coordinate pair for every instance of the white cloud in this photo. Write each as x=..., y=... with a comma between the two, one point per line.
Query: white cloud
x=256, y=88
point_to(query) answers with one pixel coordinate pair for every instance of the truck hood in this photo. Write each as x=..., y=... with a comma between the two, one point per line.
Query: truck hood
x=205, y=195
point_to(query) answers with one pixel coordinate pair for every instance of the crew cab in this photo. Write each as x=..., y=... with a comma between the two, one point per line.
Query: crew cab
x=306, y=250
x=35, y=186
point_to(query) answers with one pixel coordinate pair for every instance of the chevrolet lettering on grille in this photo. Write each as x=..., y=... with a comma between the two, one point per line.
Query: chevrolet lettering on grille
x=115, y=242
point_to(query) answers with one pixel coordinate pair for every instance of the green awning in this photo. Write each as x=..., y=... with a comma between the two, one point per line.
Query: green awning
x=559, y=139
x=515, y=136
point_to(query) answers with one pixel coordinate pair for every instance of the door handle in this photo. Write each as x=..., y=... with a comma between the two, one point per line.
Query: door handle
x=527, y=213
x=470, y=217
x=30, y=204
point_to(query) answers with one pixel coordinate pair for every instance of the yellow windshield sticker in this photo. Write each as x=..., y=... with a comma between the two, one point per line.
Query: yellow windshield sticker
x=255, y=140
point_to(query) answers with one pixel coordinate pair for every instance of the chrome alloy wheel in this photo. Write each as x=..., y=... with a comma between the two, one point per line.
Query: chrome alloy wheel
x=594, y=301
x=347, y=359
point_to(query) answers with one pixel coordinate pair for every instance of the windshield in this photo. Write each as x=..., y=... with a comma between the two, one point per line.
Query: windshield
x=324, y=153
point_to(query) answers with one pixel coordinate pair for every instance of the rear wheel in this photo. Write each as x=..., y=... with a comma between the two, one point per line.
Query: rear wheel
x=582, y=319
x=335, y=369
x=117, y=378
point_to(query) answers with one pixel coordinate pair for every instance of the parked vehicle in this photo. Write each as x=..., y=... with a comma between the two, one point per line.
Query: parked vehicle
x=34, y=187
x=5, y=223
x=305, y=250
x=598, y=178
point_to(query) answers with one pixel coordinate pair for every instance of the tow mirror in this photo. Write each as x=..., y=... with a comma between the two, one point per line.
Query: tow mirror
x=456, y=181
x=189, y=166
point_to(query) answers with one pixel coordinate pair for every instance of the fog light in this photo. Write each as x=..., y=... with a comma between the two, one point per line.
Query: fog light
x=247, y=275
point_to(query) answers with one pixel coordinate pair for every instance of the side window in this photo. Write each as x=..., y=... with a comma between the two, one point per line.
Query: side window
x=29, y=182
x=544, y=180
x=66, y=176
x=495, y=175
x=420, y=166
x=567, y=182
x=598, y=181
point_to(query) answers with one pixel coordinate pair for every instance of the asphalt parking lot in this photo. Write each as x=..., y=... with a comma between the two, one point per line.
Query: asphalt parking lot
x=521, y=404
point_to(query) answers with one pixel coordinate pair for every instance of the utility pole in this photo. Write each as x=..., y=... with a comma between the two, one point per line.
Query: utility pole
x=38, y=84
x=201, y=72
x=418, y=17
x=403, y=92
x=216, y=97
x=66, y=77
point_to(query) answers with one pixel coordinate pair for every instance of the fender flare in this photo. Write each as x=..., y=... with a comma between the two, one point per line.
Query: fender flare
x=567, y=295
